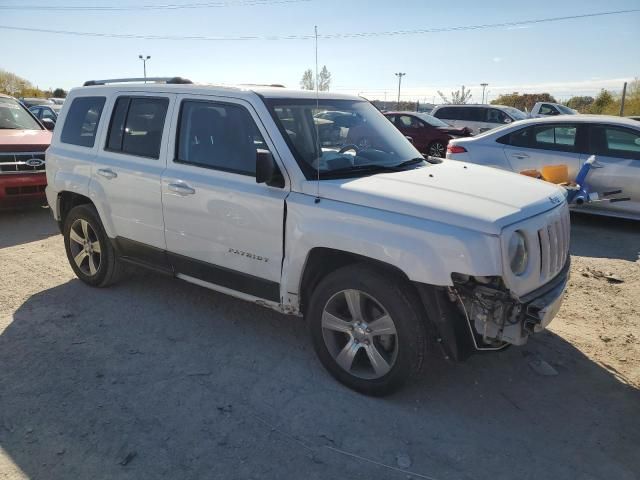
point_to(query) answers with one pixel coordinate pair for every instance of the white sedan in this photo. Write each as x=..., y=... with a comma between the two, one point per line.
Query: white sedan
x=569, y=140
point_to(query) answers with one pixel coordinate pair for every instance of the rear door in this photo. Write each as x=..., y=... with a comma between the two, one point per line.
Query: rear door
x=128, y=168
x=545, y=144
x=617, y=151
x=221, y=226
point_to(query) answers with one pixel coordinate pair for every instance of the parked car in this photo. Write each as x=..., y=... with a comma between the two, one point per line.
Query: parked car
x=232, y=189
x=32, y=102
x=545, y=109
x=56, y=100
x=46, y=112
x=568, y=140
x=23, y=141
x=478, y=118
x=428, y=134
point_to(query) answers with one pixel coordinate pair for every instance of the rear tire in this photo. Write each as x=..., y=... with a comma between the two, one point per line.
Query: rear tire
x=367, y=329
x=437, y=149
x=89, y=250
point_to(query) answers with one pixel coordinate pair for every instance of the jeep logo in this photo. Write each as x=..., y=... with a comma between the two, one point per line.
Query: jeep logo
x=34, y=162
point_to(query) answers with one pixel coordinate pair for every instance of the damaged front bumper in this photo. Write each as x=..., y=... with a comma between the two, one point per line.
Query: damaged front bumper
x=496, y=318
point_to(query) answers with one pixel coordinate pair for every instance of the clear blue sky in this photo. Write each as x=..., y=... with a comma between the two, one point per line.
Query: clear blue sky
x=569, y=57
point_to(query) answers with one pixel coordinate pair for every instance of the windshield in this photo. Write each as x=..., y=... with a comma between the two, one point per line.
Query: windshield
x=431, y=120
x=14, y=116
x=515, y=113
x=566, y=110
x=339, y=137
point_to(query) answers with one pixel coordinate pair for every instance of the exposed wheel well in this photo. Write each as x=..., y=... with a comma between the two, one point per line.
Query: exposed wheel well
x=68, y=200
x=322, y=261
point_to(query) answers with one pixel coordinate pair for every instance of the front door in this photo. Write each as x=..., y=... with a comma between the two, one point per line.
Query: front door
x=221, y=226
x=617, y=151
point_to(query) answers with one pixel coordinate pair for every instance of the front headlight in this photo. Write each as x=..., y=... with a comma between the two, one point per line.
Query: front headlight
x=518, y=256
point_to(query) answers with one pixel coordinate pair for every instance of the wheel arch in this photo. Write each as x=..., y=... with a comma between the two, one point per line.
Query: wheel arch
x=321, y=261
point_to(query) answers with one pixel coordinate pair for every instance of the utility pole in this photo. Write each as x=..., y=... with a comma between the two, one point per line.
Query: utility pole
x=144, y=65
x=624, y=94
x=399, y=75
x=483, y=85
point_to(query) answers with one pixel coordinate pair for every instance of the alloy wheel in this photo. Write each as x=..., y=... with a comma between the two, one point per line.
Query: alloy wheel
x=437, y=149
x=85, y=247
x=359, y=334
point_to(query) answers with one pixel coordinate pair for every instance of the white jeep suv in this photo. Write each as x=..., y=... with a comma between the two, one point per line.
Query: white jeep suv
x=254, y=193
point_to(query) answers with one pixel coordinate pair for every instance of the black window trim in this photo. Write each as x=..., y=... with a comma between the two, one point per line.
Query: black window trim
x=124, y=124
x=176, y=158
x=98, y=122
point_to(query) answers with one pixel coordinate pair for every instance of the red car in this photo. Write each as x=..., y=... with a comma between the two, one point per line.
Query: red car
x=23, y=141
x=428, y=134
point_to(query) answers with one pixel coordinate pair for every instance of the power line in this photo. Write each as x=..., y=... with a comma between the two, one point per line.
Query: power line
x=324, y=36
x=168, y=6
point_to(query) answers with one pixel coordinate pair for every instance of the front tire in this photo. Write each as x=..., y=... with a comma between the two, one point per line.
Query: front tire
x=366, y=329
x=89, y=251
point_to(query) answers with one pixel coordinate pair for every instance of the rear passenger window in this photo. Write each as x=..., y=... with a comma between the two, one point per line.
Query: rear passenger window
x=218, y=136
x=555, y=137
x=447, y=113
x=136, y=126
x=81, y=123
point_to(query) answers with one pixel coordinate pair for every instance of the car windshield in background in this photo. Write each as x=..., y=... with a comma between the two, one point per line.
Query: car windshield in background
x=515, y=113
x=566, y=110
x=13, y=116
x=341, y=137
x=431, y=120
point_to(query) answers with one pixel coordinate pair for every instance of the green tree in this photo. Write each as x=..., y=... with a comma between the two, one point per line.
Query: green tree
x=59, y=93
x=581, y=104
x=459, y=97
x=324, y=80
x=603, y=103
x=308, y=82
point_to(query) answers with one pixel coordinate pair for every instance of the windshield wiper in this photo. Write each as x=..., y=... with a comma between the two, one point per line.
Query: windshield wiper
x=371, y=168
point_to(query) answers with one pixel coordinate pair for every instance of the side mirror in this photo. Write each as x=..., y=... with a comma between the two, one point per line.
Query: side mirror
x=507, y=120
x=48, y=123
x=409, y=138
x=267, y=171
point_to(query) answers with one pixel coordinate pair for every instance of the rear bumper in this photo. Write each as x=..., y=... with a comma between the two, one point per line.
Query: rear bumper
x=18, y=190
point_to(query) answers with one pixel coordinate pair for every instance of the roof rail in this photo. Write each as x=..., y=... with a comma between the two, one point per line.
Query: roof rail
x=168, y=80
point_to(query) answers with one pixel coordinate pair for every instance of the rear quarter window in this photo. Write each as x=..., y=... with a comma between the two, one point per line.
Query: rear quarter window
x=82, y=120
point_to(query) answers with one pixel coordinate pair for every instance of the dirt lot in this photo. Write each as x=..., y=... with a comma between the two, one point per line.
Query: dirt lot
x=157, y=378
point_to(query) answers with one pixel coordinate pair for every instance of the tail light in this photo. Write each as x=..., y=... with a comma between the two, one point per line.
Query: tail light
x=456, y=149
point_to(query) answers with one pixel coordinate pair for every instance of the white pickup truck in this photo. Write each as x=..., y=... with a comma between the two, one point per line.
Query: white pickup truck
x=546, y=109
x=244, y=191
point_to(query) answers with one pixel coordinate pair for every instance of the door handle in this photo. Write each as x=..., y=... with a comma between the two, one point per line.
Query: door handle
x=181, y=188
x=107, y=173
x=520, y=156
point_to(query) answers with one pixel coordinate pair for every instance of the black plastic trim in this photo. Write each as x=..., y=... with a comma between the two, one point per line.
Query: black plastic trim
x=173, y=263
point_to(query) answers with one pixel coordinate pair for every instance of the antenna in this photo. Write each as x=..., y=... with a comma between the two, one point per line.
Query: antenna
x=316, y=124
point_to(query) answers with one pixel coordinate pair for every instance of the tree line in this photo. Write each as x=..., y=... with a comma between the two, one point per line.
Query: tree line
x=12, y=84
x=605, y=103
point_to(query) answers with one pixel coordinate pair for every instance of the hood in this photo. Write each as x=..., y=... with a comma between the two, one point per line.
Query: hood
x=24, y=140
x=455, y=193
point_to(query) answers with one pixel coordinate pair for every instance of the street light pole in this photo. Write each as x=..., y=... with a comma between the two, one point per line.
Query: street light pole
x=399, y=75
x=483, y=85
x=144, y=65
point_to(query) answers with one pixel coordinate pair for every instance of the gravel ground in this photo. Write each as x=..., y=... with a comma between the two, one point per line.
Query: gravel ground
x=157, y=378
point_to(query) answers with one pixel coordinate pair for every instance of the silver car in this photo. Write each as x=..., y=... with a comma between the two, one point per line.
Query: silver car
x=570, y=140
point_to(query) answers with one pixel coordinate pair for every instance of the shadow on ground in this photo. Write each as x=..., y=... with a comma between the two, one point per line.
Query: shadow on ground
x=604, y=237
x=156, y=378
x=26, y=225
